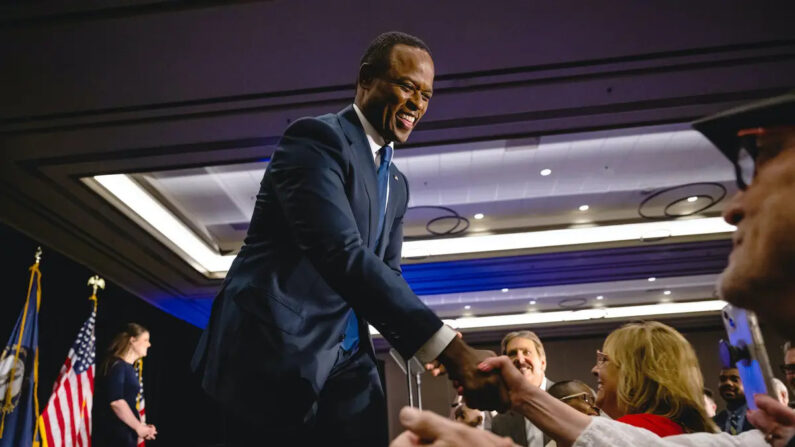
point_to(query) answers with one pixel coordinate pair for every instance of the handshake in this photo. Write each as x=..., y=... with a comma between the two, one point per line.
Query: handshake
x=482, y=385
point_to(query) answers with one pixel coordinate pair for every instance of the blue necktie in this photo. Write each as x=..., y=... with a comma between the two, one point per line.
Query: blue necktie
x=351, y=339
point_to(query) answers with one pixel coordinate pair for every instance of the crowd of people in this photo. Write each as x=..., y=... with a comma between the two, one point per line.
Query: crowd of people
x=648, y=376
x=650, y=384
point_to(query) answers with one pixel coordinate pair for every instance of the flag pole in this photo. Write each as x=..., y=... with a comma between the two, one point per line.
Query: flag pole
x=7, y=405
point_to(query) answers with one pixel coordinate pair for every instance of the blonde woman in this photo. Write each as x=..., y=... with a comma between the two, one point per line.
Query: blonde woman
x=648, y=376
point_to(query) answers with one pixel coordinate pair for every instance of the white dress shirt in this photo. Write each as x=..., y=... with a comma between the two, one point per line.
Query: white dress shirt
x=602, y=432
x=436, y=344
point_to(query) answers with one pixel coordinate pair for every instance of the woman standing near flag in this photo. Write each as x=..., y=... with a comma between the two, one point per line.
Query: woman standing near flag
x=122, y=424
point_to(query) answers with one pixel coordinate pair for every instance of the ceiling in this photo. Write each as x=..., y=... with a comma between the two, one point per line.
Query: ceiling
x=188, y=121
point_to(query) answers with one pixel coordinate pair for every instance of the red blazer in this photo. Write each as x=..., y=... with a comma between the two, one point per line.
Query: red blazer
x=659, y=425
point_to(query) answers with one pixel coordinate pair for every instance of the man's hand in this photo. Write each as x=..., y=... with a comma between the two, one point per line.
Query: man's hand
x=512, y=377
x=774, y=419
x=435, y=367
x=426, y=428
x=483, y=390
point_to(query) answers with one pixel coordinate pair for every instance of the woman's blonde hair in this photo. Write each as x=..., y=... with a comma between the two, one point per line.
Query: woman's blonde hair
x=658, y=373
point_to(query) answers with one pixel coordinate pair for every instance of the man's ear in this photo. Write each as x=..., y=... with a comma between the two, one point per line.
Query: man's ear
x=366, y=75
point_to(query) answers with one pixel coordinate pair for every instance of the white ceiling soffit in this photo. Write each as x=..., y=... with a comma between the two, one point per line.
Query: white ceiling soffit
x=531, y=319
x=572, y=296
x=202, y=213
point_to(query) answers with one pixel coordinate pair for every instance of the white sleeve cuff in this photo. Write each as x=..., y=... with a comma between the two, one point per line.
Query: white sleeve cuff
x=436, y=344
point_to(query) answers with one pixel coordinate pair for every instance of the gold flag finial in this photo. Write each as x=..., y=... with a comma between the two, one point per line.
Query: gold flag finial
x=97, y=283
x=38, y=254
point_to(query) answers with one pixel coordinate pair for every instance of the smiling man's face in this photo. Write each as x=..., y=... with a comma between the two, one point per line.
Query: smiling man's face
x=526, y=358
x=394, y=101
x=730, y=386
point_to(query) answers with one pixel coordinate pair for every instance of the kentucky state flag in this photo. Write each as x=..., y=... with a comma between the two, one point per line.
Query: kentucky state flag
x=19, y=364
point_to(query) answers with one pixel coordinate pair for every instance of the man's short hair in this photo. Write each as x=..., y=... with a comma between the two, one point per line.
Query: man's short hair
x=377, y=54
x=529, y=335
x=567, y=387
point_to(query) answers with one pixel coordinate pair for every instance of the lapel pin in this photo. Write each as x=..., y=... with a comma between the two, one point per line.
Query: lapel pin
x=395, y=177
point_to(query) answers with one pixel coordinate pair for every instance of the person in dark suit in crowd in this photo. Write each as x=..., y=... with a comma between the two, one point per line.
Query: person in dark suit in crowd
x=730, y=387
x=526, y=351
x=118, y=423
x=287, y=350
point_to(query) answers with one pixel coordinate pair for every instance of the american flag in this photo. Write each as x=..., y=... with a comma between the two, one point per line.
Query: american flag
x=66, y=420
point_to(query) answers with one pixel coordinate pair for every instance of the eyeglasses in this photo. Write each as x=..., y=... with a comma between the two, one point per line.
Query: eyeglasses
x=789, y=368
x=586, y=396
x=409, y=87
x=748, y=154
x=601, y=358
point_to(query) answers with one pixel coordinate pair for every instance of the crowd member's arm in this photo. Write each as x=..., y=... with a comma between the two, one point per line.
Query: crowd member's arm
x=570, y=427
x=426, y=428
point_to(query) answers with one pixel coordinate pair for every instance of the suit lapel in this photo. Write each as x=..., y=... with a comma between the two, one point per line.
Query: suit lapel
x=364, y=165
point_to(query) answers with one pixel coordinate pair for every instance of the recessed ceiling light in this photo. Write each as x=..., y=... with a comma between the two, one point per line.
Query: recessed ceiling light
x=479, y=216
x=652, y=279
x=532, y=302
x=600, y=297
x=545, y=172
x=505, y=290
x=666, y=292
x=584, y=207
x=692, y=199
x=467, y=307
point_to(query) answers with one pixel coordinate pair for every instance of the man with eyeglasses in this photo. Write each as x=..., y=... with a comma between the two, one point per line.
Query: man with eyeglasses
x=759, y=139
x=287, y=350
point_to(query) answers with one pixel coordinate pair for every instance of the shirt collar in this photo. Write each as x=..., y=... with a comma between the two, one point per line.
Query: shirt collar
x=373, y=137
x=544, y=384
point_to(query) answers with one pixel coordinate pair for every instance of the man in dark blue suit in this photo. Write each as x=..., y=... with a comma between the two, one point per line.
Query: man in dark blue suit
x=287, y=351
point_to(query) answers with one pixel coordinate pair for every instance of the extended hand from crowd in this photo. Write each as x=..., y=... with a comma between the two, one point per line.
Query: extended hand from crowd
x=426, y=428
x=513, y=379
x=774, y=419
x=483, y=390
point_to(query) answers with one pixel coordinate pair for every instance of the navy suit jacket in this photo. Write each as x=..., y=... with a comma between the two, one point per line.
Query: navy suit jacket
x=310, y=255
x=723, y=415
